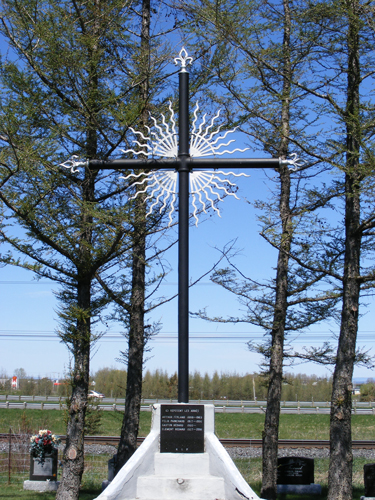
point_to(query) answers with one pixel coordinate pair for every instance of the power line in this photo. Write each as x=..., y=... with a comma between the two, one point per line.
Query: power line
x=26, y=282
x=171, y=283
x=171, y=337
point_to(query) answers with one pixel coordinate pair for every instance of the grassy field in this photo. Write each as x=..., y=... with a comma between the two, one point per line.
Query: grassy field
x=250, y=469
x=15, y=492
x=228, y=425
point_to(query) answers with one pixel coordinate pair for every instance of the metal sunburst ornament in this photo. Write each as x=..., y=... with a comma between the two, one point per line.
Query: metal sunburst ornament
x=205, y=140
x=206, y=186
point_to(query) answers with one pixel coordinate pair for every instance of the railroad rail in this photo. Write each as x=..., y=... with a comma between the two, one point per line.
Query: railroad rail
x=247, y=443
x=228, y=443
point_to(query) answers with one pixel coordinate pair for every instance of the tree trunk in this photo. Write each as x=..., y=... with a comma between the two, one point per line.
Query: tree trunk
x=271, y=423
x=272, y=418
x=73, y=457
x=130, y=424
x=341, y=458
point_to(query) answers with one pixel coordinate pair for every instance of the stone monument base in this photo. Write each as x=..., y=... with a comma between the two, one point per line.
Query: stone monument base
x=154, y=475
x=41, y=485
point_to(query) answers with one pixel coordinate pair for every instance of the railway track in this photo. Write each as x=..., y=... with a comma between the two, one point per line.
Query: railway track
x=246, y=443
x=228, y=443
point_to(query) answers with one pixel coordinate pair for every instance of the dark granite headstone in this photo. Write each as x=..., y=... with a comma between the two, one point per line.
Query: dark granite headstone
x=111, y=467
x=43, y=471
x=295, y=470
x=369, y=479
x=182, y=429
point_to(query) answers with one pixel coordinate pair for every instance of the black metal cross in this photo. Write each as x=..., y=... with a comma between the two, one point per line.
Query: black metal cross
x=184, y=164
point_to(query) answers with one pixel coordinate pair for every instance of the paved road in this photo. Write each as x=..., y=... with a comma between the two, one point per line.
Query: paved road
x=53, y=403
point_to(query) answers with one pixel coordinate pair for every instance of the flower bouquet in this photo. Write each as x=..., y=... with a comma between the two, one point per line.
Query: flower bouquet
x=42, y=443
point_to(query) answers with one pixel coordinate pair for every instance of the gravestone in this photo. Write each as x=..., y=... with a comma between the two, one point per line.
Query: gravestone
x=43, y=476
x=111, y=472
x=295, y=470
x=46, y=471
x=182, y=429
x=369, y=480
x=295, y=475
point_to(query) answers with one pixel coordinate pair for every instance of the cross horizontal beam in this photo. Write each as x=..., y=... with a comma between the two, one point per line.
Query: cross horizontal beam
x=191, y=162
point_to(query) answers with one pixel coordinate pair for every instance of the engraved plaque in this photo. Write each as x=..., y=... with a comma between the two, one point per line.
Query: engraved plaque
x=47, y=470
x=295, y=470
x=182, y=429
x=43, y=469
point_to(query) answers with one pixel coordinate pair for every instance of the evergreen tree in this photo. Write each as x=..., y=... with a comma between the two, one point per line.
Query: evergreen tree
x=347, y=102
x=110, y=382
x=70, y=85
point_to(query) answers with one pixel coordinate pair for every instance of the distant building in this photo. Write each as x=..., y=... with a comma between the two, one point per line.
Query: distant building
x=357, y=384
x=15, y=383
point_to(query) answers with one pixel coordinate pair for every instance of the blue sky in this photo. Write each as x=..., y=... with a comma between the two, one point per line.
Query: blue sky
x=29, y=307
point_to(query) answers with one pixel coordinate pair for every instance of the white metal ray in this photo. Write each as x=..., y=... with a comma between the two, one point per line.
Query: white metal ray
x=162, y=143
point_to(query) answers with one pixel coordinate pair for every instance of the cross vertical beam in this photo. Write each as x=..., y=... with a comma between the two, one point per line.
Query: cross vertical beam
x=183, y=164
x=183, y=239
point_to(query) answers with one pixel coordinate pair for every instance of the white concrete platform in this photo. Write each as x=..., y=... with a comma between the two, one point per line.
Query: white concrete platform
x=178, y=476
x=171, y=488
x=192, y=464
x=151, y=475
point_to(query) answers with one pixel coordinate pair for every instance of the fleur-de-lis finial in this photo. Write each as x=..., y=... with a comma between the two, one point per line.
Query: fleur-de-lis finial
x=74, y=163
x=293, y=160
x=184, y=59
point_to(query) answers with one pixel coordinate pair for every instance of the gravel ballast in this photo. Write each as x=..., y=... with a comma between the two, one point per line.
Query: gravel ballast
x=234, y=452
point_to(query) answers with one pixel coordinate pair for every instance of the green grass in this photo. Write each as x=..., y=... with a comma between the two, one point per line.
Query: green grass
x=250, y=425
x=15, y=492
x=33, y=420
x=228, y=425
x=250, y=468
